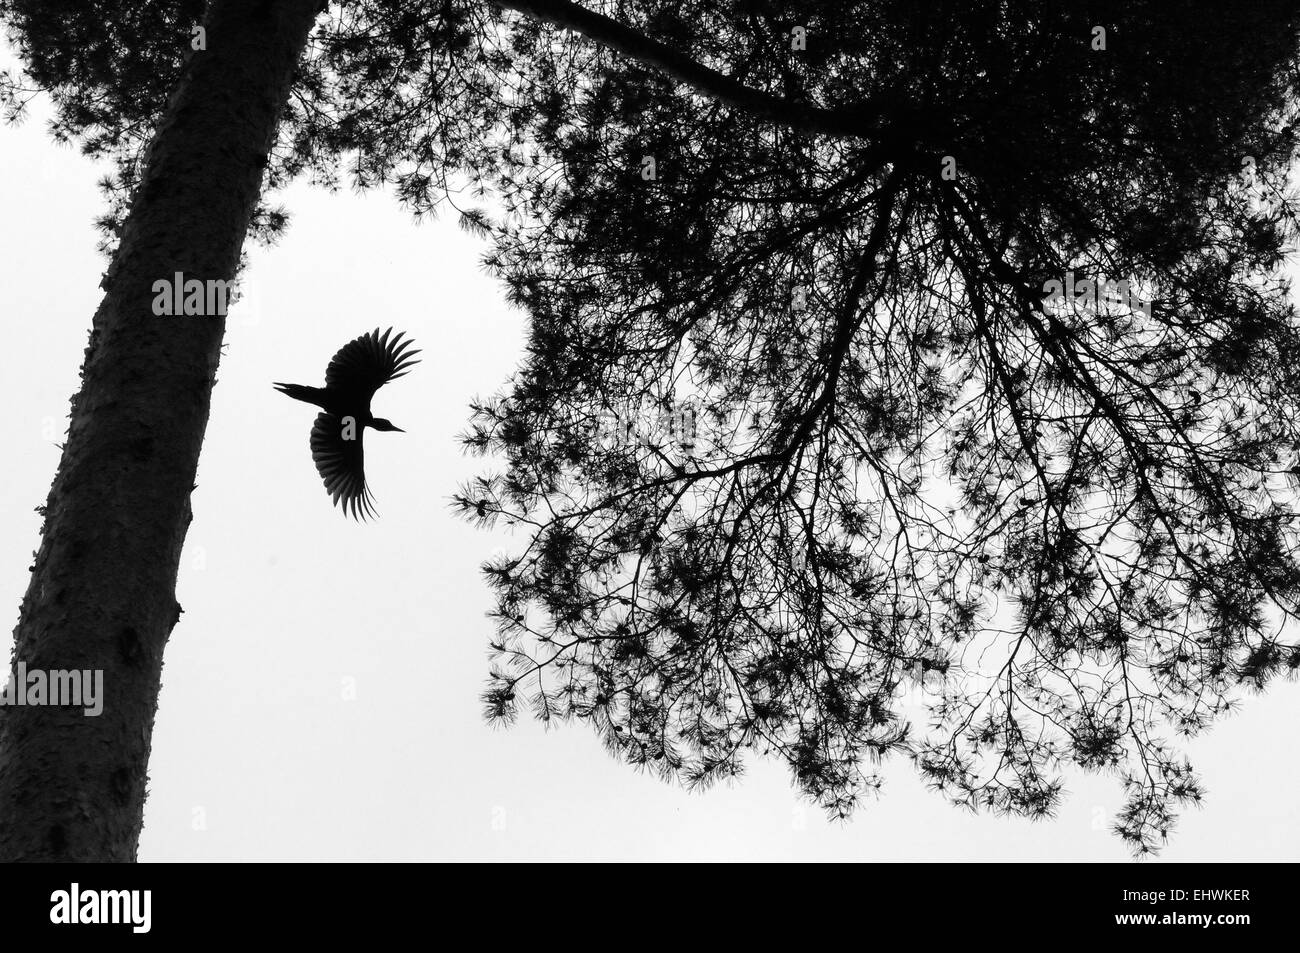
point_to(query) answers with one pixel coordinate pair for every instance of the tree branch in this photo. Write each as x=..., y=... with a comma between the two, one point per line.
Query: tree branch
x=867, y=120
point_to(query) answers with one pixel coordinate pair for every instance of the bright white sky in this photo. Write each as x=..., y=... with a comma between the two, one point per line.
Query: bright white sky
x=258, y=754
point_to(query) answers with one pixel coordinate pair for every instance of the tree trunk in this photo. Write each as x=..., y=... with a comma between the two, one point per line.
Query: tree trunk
x=103, y=590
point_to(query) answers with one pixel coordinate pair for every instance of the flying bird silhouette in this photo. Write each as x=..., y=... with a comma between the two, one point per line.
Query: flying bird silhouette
x=359, y=369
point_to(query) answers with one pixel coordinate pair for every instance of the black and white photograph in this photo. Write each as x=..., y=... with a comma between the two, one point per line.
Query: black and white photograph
x=650, y=432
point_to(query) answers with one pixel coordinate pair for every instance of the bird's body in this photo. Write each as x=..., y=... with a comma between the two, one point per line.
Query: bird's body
x=359, y=369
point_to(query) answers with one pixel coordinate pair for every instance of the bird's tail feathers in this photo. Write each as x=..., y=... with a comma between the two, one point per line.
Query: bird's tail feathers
x=311, y=395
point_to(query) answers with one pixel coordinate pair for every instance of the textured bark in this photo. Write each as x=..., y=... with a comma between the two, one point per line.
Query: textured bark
x=103, y=589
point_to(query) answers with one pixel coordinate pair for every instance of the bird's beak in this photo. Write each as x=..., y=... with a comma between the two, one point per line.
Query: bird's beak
x=399, y=430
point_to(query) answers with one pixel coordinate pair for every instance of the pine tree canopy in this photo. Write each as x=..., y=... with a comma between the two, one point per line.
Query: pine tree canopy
x=975, y=325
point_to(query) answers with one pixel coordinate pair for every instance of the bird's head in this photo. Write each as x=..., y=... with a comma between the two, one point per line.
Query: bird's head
x=379, y=423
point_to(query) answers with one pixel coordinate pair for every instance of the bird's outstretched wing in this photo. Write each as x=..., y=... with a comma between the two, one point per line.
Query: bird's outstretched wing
x=364, y=365
x=341, y=464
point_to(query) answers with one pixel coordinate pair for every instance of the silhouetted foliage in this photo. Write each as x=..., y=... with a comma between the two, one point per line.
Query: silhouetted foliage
x=1072, y=517
x=388, y=93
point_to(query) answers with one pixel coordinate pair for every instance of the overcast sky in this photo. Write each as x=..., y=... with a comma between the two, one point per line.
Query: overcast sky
x=320, y=695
